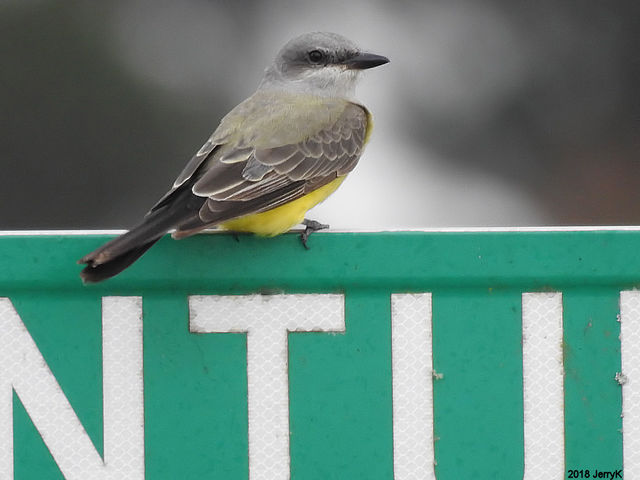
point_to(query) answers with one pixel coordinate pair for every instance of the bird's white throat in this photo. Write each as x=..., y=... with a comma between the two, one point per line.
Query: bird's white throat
x=334, y=81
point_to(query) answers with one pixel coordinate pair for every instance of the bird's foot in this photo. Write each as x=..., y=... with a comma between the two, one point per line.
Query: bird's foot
x=311, y=226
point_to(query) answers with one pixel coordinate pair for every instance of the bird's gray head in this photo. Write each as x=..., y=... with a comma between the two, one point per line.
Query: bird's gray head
x=319, y=63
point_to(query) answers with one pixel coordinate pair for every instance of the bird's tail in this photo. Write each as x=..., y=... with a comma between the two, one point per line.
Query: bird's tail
x=97, y=272
x=117, y=254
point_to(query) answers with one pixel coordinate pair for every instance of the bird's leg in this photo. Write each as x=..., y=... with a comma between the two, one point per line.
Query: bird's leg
x=311, y=226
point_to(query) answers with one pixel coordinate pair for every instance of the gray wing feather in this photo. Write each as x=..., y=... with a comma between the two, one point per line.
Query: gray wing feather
x=214, y=210
x=270, y=183
x=327, y=153
x=312, y=147
x=236, y=155
x=217, y=139
x=330, y=151
x=187, y=172
x=291, y=163
x=275, y=156
x=246, y=180
x=194, y=163
x=255, y=171
x=219, y=177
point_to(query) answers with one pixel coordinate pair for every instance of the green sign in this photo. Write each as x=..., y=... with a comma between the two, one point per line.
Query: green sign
x=408, y=355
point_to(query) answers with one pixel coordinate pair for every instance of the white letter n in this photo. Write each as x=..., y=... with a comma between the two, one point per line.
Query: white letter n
x=23, y=369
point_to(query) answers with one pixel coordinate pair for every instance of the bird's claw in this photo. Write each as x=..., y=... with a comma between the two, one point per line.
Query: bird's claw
x=311, y=226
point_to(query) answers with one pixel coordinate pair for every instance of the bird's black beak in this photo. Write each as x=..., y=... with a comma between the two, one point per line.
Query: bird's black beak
x=362, y=61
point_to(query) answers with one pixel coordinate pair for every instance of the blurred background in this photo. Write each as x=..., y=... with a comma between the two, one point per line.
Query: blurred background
x=491, y=113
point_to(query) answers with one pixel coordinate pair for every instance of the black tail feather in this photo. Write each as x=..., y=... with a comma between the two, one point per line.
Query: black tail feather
x=117, y=254
x=180, y=206
x=99, y=272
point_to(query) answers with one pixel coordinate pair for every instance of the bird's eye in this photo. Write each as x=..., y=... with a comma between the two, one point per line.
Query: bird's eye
x=315, y=56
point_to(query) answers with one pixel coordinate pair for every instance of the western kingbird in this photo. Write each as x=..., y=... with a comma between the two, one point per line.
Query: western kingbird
x=273, y=157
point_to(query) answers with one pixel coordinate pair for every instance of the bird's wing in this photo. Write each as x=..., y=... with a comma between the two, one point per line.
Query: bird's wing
x=209, y=148
x=254, y=175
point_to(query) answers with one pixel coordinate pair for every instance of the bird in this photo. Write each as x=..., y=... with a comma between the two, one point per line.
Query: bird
x=274, y=156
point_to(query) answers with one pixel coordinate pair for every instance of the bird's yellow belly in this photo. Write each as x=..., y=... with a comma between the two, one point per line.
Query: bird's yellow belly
x=280, y=219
